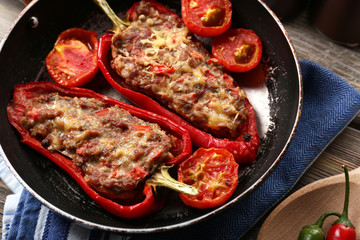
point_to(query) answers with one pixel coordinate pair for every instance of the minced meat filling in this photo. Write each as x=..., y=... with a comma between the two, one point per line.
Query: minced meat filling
x=114, y=149
x=156, y=55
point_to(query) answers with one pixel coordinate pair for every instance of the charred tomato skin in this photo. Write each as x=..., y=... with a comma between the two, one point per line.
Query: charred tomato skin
x=213, y=172
x=73, y=60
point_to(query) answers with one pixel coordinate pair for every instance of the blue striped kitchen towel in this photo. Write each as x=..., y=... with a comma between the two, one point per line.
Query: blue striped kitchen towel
x=329, y=104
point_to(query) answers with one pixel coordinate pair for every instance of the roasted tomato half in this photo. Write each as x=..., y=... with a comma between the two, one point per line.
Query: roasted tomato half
x=207, y=18
x=239, y=50
x=73, y=60
x=213, y=172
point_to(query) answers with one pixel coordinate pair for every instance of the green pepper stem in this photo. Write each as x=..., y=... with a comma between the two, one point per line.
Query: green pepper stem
x=162, y=178
x=322, y=218
x=347, y=192
x=118, y=23
x=344, y=216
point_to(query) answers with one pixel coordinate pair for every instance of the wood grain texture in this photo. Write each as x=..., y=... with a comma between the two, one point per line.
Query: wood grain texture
x=310, y=45
x=306, y=205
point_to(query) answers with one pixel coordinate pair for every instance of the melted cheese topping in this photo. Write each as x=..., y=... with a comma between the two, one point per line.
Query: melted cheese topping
x=108, y=147
x=157, y=56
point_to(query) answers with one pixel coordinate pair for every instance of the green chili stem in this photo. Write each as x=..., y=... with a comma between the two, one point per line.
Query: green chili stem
x=321, y=219
x=347, y=192
x=118, y=23
x=344, y=217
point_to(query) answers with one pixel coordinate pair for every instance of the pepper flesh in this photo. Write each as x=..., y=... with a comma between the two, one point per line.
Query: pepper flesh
x=24, y=92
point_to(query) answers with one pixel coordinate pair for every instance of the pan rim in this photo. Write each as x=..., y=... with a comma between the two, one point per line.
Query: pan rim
x=90, y=224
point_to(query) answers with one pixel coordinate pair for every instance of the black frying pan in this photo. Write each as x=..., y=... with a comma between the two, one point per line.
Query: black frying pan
x=22, y=60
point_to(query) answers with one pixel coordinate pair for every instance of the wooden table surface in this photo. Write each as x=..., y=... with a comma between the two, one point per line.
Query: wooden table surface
x=309, y=44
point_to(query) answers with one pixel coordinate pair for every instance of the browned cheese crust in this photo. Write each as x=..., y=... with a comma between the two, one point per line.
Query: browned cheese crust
x=115, y=150
x=158, y=56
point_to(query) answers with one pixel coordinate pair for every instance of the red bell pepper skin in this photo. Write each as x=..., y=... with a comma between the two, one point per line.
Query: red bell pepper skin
x=244, y=148
x=16, y=109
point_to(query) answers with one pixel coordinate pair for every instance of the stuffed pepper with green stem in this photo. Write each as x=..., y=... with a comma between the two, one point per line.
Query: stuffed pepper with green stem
x=153, y=60
x=111, y=149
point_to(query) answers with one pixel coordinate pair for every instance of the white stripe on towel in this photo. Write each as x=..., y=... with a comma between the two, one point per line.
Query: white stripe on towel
x=40, y=225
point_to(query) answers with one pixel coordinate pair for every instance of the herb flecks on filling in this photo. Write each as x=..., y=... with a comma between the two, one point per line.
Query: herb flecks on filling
x=157, y=56
x=115, y=150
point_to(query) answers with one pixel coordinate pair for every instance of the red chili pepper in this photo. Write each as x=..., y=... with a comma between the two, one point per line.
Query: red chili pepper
x=244, y=148
x=16, y=109
x=315, y=231
x=342, y=228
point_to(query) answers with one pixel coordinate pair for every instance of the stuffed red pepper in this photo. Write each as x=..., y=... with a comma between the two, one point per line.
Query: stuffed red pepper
x=158, y=64
x=110, y=148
